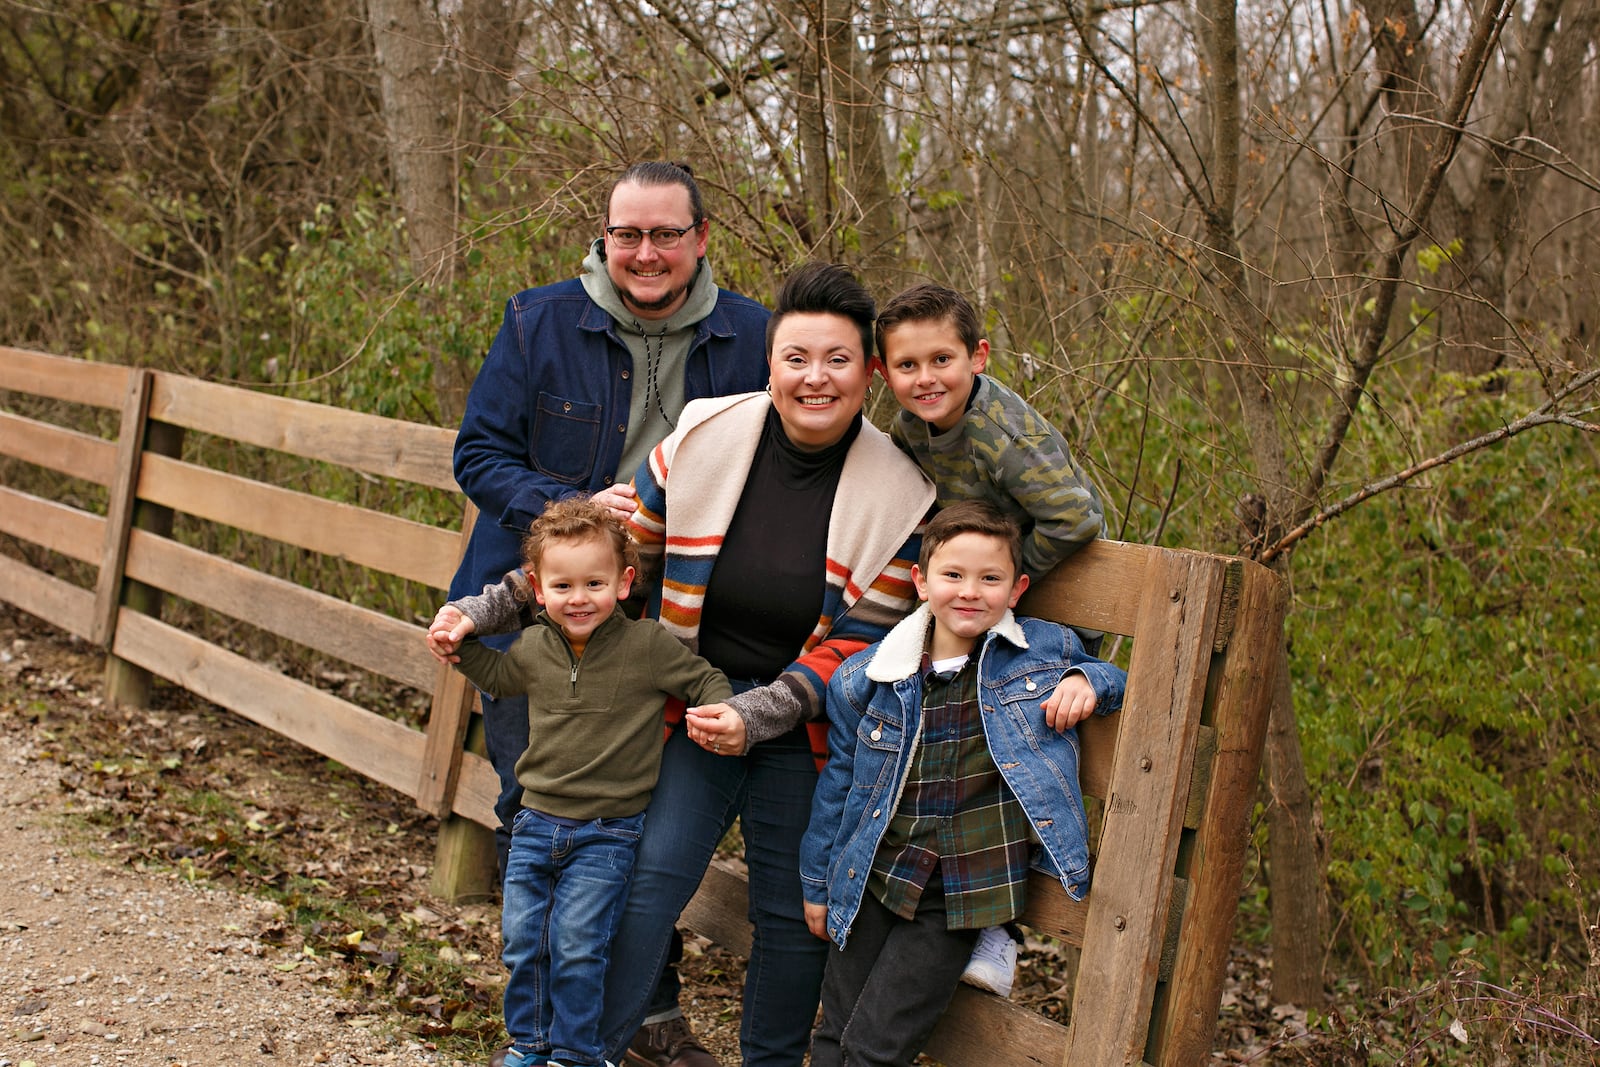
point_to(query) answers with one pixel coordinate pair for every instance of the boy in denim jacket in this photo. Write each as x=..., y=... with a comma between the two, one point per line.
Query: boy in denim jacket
x=977, y=440
x=951, y=755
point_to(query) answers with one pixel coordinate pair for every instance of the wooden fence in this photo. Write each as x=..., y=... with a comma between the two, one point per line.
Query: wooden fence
x=125, y=536
x=1170, y=780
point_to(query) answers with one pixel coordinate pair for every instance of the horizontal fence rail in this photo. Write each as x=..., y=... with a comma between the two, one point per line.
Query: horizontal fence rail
x=1169, y=781
x=143, y=470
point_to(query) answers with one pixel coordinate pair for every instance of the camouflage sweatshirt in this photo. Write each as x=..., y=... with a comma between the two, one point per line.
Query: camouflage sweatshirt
x=1006, y=453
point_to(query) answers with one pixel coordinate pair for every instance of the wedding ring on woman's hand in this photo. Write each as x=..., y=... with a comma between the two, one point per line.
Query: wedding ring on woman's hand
x=716, y=746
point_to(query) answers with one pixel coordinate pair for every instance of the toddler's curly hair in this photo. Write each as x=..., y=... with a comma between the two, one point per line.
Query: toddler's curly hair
x=577, y=518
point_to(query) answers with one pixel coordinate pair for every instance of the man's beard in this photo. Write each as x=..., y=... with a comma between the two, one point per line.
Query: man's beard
x=661, y=303
x=664, y=301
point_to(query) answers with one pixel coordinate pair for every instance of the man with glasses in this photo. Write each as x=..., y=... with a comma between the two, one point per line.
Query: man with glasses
x=583, y=379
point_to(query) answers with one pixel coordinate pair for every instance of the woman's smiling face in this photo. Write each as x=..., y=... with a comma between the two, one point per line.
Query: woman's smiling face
x=819, y=376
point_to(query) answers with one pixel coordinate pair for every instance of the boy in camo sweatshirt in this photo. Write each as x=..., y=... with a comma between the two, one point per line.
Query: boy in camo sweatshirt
x=977, y=440
x=974, y=438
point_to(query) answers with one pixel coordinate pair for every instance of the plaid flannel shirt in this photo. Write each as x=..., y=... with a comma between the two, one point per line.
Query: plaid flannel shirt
x=955, y=812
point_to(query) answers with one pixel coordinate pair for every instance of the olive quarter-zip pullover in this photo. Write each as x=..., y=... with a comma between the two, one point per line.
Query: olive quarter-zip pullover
x=595, y=723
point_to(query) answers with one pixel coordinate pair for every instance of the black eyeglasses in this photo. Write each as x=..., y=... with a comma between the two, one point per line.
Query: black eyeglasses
x=663, y=237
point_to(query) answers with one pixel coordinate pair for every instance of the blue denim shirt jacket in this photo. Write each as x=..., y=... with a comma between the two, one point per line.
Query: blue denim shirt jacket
x=548, y=411
x=875, y=721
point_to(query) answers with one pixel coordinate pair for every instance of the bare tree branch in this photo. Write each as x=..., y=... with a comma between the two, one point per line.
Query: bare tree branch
x=1544, y=415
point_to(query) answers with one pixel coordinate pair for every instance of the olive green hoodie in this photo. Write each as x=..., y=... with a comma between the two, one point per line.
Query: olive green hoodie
x=660, y=350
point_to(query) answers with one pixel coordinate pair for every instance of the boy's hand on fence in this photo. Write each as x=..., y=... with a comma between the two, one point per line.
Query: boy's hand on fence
x=446, y=632
x=817, y=919
x=1071, y=702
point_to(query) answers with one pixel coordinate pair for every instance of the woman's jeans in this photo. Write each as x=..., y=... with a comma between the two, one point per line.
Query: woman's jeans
x=505, y=737
x=769, y=789
x=564, y=889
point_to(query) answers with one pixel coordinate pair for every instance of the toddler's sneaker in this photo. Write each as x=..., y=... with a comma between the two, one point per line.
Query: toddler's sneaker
x=993, y=965
x=510, y=1057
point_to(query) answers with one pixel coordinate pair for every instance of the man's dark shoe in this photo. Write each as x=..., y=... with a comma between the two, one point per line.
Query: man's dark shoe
x=668, y=1044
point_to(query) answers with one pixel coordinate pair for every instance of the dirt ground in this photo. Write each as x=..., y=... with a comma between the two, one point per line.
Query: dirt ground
x=181, y=887
x=103, y=964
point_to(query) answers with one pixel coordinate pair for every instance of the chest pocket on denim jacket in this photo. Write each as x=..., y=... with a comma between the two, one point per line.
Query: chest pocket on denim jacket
x=879, y=734
x=566, y=438
x=1025, y=690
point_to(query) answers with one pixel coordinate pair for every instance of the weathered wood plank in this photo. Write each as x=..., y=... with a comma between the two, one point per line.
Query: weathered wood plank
x=56, y=448
x=477, y=788
x=120, y=505
x=47, y=597
x=448, y=718
x=1246, y=675
x=367, y=743
x=73, y=533
x=988, y=1031
x=1097, y=737
x=720, y=907
x=127, y=684
x=1205, y=750
x=386, y=447
x=60, y=378
x=1128, y=906
x=1050, y=911
x=1097, y=748
x=380, y=542
x=1099, y=587
x=367, y=639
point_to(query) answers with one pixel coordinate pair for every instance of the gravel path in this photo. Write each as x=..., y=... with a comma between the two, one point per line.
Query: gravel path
x=101, y=964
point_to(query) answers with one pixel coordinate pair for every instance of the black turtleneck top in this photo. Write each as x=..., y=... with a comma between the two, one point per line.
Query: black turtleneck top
x=765, y=591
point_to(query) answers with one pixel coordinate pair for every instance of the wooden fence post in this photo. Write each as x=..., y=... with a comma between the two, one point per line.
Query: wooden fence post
x=122, y=494
x=465, y=867
x=464, y=861
x=128, y=685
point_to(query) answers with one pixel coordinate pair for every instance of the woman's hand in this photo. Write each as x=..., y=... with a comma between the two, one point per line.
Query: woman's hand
x=446, y=632
x=620, y=500
x=1071, y=702
x=717, y=728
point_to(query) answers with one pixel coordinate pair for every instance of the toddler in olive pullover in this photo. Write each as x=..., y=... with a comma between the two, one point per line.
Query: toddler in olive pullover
x=597, y=685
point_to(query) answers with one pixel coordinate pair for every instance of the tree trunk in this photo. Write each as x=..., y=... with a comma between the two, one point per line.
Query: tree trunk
x=816, y=192
x=420, y=92
x=862, y=149
x=430, y=73
x=1296, y=878
x=1294, y=874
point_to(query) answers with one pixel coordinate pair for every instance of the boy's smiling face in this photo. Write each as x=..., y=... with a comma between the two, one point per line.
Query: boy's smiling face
x=579, y=583
x=970, y=583
x=930, y=371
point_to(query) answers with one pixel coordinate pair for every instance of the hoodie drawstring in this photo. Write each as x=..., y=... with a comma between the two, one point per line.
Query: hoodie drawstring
x=652, y=361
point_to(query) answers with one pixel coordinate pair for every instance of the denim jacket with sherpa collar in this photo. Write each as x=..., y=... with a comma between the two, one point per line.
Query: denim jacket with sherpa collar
x=875, y=723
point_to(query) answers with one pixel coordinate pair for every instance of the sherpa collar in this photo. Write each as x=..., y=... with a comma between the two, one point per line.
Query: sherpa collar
x=899, y=654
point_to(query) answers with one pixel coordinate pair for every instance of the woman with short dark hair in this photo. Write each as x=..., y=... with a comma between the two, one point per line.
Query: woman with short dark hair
x=764, y=574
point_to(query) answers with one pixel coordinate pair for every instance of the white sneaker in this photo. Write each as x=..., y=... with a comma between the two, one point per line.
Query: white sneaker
x=994, y=962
